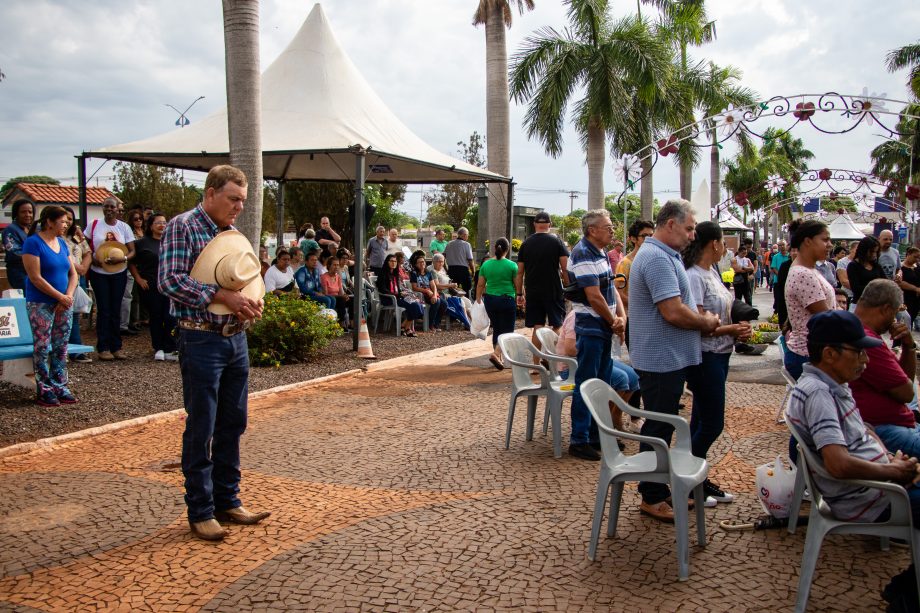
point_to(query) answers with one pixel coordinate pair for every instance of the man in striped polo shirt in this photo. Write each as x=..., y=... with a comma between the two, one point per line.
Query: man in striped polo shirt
x=596, y=322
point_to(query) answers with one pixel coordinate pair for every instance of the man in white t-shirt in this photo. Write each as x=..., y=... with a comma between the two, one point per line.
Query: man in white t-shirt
x=109, y=287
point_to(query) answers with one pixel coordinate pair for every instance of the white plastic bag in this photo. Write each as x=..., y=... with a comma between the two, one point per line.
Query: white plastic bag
x=775, y=485
x=82, y=303
x=479, y=323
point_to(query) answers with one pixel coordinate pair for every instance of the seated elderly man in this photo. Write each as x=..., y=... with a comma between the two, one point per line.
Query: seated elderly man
x=887, y=384
x=823, y=412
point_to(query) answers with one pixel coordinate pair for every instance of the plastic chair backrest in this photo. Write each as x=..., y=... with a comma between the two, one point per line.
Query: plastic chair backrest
x=518, y=349
x=598, y=396
x=809, y=464
x=548, y=340
x=15, y=328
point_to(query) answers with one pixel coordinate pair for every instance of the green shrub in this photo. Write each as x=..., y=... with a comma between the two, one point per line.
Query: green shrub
x=290, y=331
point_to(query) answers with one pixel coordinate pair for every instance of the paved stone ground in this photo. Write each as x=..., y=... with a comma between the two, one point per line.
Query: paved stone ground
x=391, y=491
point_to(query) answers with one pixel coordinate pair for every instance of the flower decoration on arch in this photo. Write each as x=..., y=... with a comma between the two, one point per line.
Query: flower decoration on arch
x=758, y=215
x=729, y=120
x=804, y=110
x=824, y=174
x=865, y=105
x=667, y=146
x=785, y=228
x=775, y=184
x=912, y=217
x=628, y=169
x=741, y=199
x=913, y=192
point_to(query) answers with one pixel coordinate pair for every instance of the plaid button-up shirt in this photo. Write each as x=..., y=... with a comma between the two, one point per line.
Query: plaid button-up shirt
x=185, y=236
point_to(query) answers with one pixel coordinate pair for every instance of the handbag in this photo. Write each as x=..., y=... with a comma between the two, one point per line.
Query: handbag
x=82, y=303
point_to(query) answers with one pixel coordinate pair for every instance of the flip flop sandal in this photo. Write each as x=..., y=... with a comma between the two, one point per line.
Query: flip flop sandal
x=496, y=363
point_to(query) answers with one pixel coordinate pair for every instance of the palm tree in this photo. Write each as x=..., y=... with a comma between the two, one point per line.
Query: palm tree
x=496, y=16
x=685, y=23
x=907, y=56
x=719, y=90
x=894, y=159
x=244, y=106
x=599, y=56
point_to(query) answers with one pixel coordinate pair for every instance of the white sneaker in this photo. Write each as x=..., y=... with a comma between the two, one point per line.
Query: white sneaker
x=159, y=356
x=172, y=356
x=710, y=502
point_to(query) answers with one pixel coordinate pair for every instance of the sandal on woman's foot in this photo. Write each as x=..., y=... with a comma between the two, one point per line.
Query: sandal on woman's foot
x=411, y=333
x=496, y=362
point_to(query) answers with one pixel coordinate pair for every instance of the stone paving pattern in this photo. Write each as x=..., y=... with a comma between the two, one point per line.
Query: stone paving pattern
x=391, y=491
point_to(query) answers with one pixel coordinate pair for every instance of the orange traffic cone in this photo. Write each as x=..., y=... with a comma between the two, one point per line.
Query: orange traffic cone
x=364, y=343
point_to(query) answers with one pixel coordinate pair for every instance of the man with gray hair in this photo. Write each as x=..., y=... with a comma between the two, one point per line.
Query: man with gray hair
x=888, y=257
x=459, y=256
x=376, y=251
x=664, y=332
x=887, y=384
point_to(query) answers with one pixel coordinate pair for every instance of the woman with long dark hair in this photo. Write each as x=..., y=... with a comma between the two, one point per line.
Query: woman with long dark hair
x=864, y=267
x=51, y=283
x=707, y=379
x=388, y=284
x=424, y=282
x=807, y=291
x=144, y=269
x=495, y=288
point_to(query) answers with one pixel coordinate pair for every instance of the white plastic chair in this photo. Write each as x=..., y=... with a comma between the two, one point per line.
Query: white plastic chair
x=519, y=353
x=548, y=340
x=676, y=466
x=386, y=304
x=790, y=384
x=822, y=522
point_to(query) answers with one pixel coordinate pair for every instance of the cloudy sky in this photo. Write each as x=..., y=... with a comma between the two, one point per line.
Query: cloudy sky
x=81, y=75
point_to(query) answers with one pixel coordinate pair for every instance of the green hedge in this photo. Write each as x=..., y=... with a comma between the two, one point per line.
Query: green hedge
x=290, y=331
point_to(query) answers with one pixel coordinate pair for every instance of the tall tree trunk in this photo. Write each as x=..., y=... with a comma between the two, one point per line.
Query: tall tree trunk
x=715, y=177
x=686, y=180
x=498, y=131
x=647, y=192
x=595, y=159
x=244, y=106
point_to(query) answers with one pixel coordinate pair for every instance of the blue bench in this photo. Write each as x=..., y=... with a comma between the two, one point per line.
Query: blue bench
x=17, y=344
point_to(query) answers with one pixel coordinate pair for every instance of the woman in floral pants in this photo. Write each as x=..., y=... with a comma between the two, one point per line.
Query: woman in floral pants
x=52, y=280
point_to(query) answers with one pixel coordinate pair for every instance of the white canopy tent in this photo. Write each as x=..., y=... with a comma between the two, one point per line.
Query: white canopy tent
x=727, y=221
x=321, y=121
x=843, y=228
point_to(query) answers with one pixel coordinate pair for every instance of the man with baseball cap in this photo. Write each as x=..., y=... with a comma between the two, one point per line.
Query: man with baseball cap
x=212, y=278
x=823, y=413
x=542, y=261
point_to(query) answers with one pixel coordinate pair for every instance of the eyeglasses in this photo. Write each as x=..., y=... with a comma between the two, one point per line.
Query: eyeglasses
x=645, y=235
x=858, y=351
x=607, y=228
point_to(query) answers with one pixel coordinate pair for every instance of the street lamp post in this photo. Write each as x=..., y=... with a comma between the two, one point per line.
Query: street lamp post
x=183, y=119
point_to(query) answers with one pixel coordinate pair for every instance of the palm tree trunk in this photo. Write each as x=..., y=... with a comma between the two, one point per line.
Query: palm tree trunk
x=686, y=180
x=647, y=192
x=595, y=158
x=498, y=131
x=244, y=106
x=715, y=181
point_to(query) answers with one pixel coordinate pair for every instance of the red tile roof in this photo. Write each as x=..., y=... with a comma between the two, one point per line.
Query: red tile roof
x=62, y=194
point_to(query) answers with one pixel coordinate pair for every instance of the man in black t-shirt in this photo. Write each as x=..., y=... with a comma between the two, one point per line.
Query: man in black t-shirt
x=326, y=236
x=542, y=262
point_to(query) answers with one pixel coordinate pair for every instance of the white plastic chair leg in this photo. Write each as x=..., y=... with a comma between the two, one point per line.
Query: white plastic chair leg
x=798, y=492
x=600, y=500
x=510, y=421
x=531, y=415
x=681, y=529
x=809, y=561
x=699, y=499
x=616, y=497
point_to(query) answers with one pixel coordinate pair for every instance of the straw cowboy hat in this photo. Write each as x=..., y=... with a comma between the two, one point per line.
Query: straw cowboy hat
x=228, y=261
x=118, y=252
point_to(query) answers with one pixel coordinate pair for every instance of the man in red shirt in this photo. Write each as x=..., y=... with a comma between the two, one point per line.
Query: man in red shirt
x=887, y=384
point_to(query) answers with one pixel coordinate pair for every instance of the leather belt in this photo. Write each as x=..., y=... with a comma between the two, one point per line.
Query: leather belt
x=228, y=329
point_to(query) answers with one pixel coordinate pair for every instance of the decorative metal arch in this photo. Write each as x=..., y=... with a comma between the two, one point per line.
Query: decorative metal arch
x=800, y=108
x=899, y=212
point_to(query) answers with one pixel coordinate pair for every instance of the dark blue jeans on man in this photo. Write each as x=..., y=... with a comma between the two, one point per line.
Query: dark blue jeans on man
x=215, y=385
x=707, y=382
x=593, y=361
x=108, y=291
x=661, y=393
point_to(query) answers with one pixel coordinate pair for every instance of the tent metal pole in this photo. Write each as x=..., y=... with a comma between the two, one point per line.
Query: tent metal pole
x=81, y=183
x=510, y=221
x=359, y=229
x=279, y=216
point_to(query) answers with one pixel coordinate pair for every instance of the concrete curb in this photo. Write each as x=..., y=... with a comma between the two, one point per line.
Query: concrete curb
x=54, y=442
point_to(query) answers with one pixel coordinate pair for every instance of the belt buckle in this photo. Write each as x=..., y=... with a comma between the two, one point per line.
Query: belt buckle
x=231, y=329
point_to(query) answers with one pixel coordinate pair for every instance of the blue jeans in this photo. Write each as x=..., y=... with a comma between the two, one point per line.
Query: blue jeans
x=502, y=311
x=707, y=382
x=794, y=362
x=108, y=290
x=328, y=302
x=593, y=361
x=622, y=377
x=661, y=393
x=900, y=438
x=215, y=385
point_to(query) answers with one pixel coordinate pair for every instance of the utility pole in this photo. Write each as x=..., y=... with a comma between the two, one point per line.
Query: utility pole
x=572, y=197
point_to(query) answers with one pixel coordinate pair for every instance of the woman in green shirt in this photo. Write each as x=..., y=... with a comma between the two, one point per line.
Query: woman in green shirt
x=496, y=289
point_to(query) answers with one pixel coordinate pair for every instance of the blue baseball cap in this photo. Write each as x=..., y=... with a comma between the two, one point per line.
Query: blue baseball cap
x=839, y=328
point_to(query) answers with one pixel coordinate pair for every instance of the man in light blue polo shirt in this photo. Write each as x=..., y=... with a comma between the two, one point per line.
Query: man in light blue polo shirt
x=596, y=322
x=664, y=332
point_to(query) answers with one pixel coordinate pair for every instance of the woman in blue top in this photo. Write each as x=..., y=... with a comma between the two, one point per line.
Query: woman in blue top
x=424, y=283
x=14, y=235
x=50, y=285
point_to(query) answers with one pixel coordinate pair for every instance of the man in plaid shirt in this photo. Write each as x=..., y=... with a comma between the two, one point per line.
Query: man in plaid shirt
x=213, y=356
